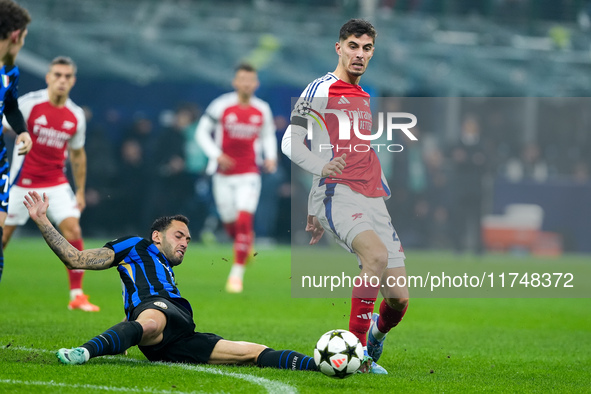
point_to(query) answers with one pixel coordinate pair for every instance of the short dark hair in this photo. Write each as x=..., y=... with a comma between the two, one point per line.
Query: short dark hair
x=13, y=17
x=162, y=223
x=246, y=67
x=63, y=60
x=357, y=27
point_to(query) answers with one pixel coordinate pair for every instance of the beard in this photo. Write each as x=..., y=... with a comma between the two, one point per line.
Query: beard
x=174, y=261
x=355, y=73
x=171, y=256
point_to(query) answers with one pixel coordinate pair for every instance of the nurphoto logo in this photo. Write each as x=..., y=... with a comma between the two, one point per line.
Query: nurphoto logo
x=359, y=122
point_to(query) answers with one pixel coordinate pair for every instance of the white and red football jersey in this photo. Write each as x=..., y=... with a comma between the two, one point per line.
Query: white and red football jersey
x=52, y=130
x=363, y=171
x=239, y=131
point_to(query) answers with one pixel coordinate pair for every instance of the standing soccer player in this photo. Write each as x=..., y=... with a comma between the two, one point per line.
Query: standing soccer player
x=349, y=188
x=59, y=131
x=239, y=120
x=13, y=29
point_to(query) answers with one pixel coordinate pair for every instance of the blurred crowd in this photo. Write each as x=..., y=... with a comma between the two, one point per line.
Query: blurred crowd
x=443, y=186
x=508, y=11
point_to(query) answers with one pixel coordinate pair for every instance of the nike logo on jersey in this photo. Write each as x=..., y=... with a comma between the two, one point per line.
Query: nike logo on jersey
x=42, y=120
x=67, y=125
x=344, y=100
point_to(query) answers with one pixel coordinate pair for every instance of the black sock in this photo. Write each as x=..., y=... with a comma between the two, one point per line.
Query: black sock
x=116, y=339
x=286, y=359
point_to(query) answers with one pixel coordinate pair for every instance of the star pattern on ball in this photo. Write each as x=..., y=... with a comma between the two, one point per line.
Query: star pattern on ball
x=325, y=355
x=335, y=334
x=350, y=351
x=303, y=108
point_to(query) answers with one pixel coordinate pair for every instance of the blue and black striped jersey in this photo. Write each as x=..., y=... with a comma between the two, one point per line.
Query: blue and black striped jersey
x=144, y=272
x=9, y=77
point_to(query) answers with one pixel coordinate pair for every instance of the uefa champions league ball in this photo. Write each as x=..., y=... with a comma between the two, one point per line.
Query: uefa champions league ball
x=338, y=354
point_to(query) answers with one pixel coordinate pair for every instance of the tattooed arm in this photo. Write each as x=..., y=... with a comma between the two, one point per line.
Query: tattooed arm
x=90, y=259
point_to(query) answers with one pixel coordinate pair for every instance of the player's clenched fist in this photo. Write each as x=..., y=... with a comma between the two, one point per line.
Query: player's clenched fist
x=335, y=166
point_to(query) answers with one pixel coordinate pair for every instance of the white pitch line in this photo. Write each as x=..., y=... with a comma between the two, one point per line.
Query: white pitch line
x=51, y=383
x=269, y=385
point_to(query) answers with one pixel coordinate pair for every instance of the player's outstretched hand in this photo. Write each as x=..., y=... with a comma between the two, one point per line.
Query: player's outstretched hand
x=335, y=166
x=314, y=227
x=36, y=205
x=24, y=143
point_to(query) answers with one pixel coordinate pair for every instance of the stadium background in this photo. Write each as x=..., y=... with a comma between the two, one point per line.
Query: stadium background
x=140, y=63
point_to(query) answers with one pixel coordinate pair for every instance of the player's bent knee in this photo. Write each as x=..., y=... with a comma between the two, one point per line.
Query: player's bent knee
x=153, y=323
x=151, y=328
x=376, y=262
x=397, y=303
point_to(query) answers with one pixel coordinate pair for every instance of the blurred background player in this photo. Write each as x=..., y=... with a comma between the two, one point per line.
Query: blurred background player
x=13, y=30
x=349, y=189
x=239, y=122
x=59, y=131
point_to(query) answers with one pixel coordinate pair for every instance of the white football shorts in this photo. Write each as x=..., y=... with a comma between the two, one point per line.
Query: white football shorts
x=62, y=204
x=235, y=193
x=345, y=214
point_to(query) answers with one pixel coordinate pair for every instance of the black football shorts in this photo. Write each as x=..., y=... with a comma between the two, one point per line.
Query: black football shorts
x=180, y=343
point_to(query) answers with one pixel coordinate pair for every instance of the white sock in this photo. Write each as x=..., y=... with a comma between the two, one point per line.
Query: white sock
x=237, y=271
x=86, y=353
x=377, y=334
x=74, y=293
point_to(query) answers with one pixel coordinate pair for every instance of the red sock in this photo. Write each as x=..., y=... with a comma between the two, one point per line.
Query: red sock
x=231, y=229
x=362, y=304
x=389, y=317
x=243, y=240
x=76, y=276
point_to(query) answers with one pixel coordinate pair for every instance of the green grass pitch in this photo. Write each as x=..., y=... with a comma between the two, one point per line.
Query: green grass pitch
x=443, y=345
